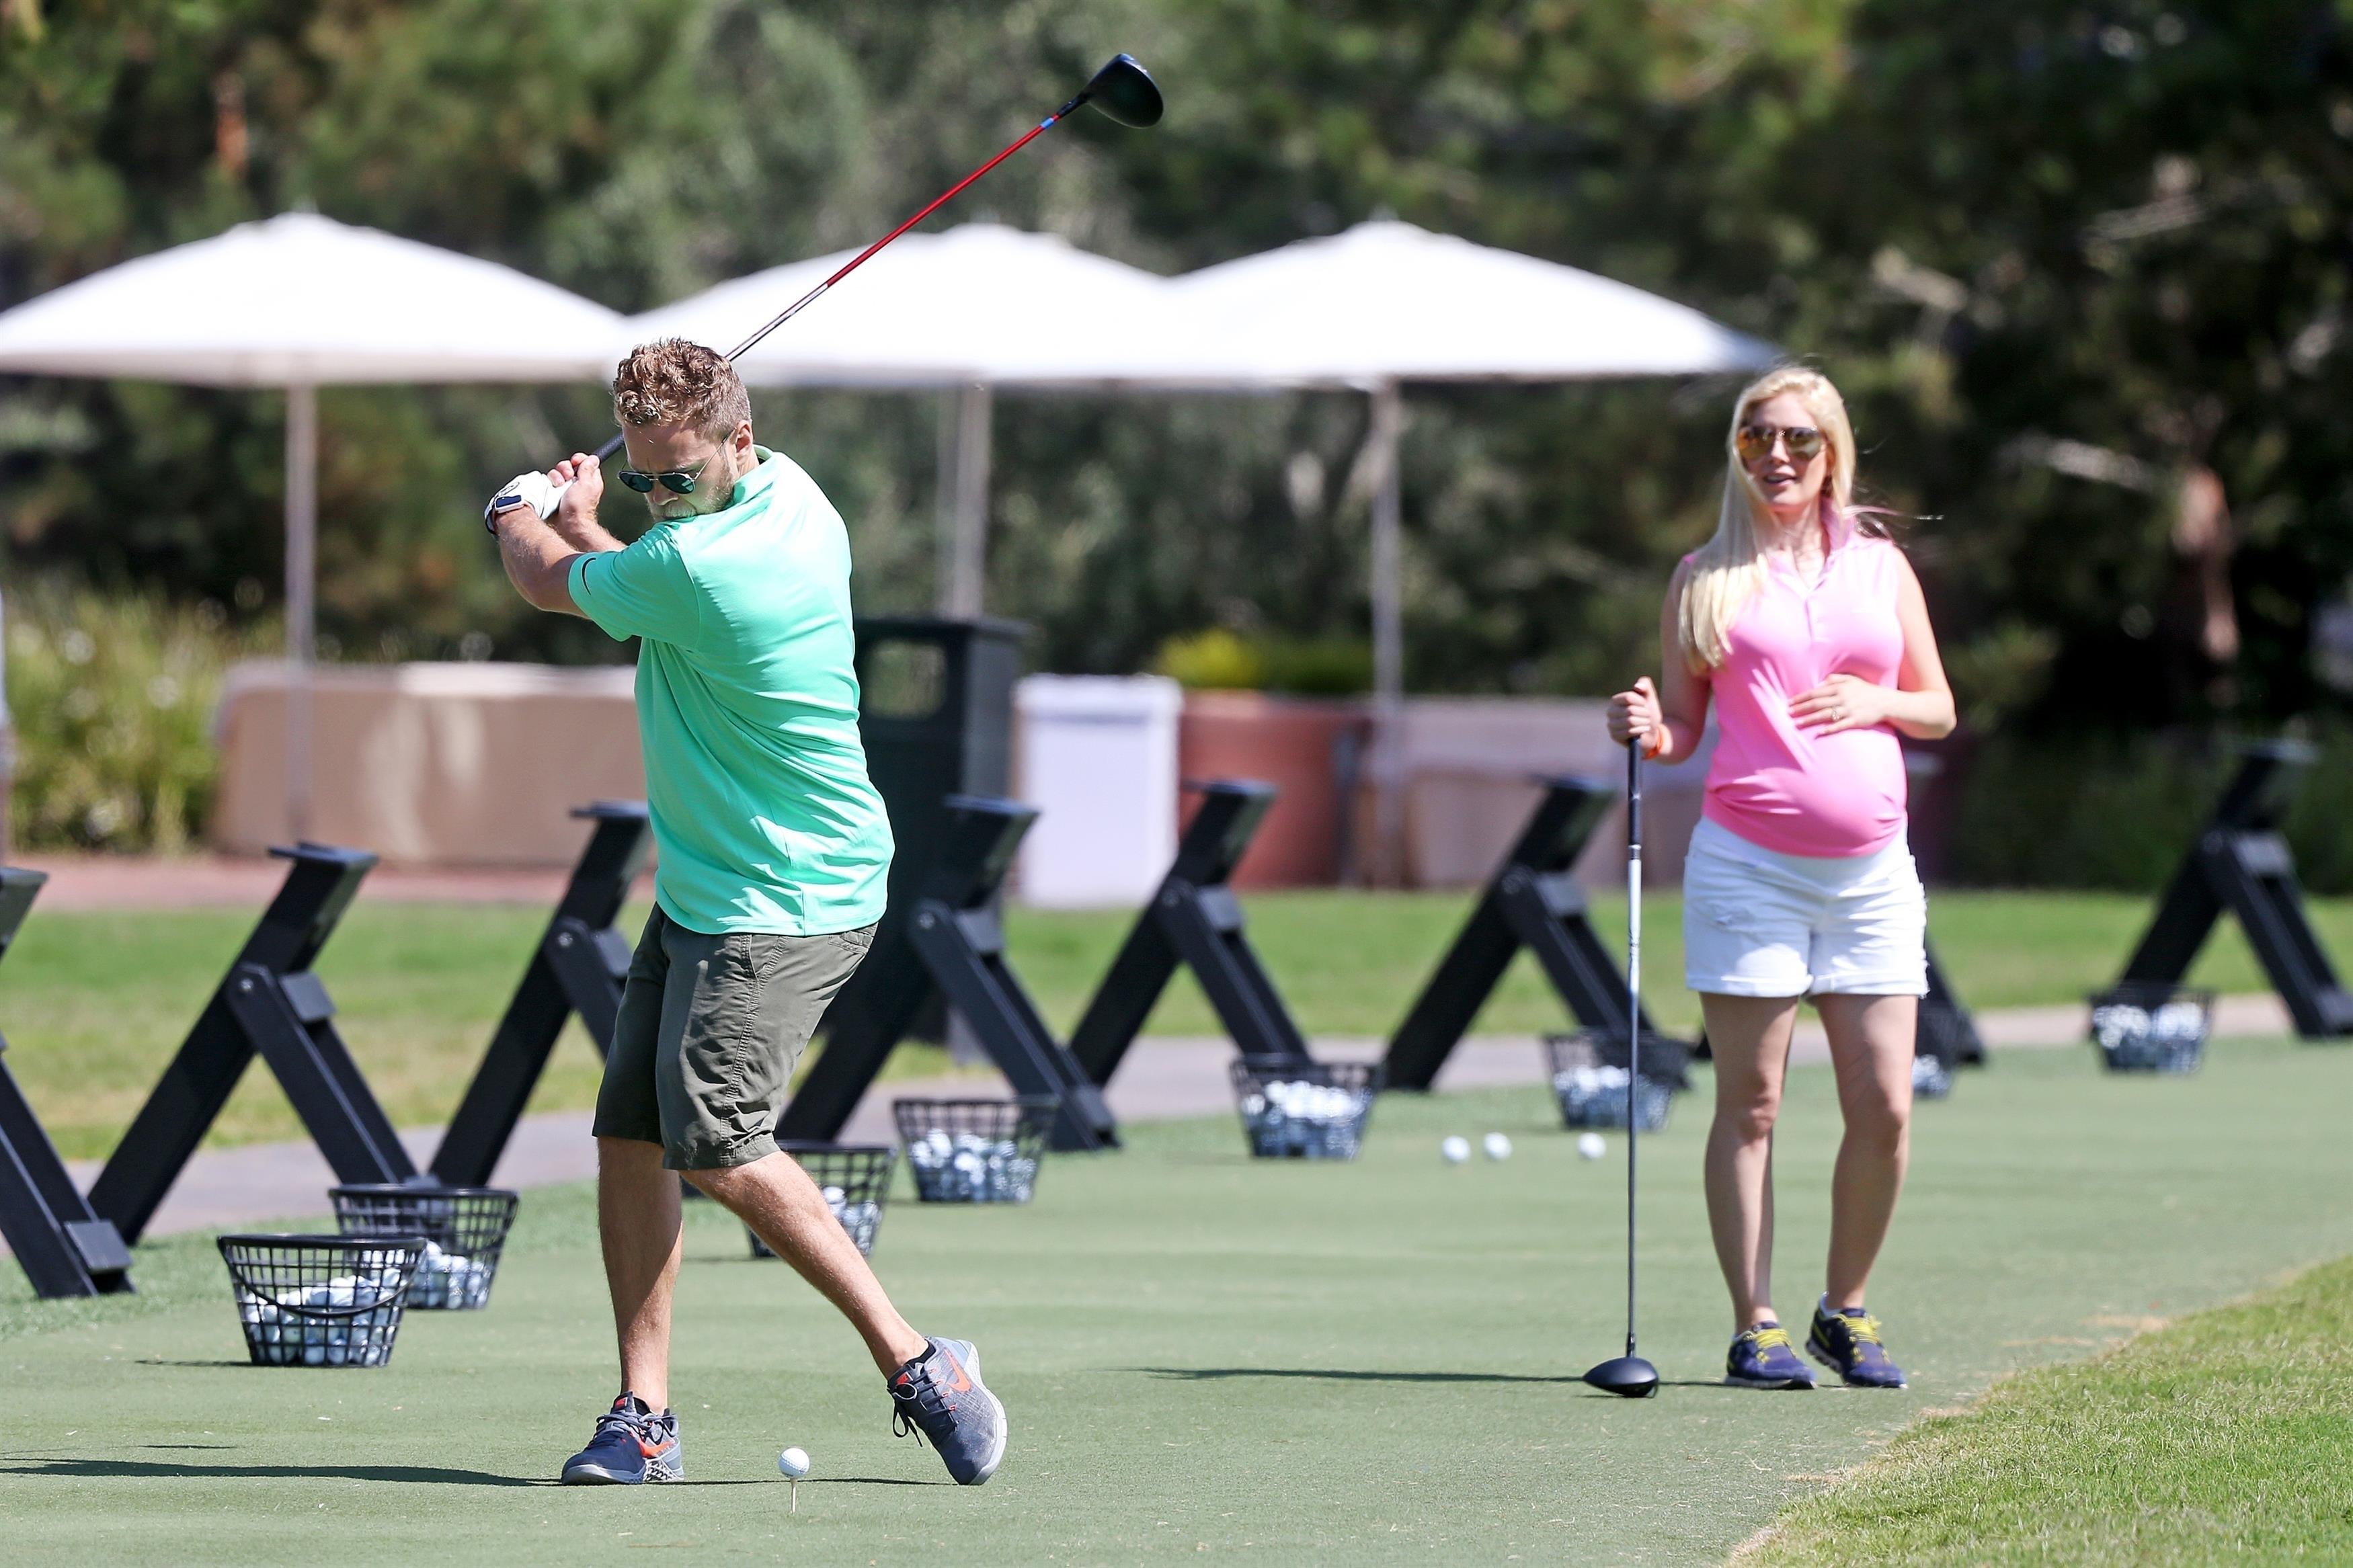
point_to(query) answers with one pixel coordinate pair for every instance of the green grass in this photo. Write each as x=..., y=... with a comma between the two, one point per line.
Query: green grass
x=1205, y=1358
x=94, y=1003
x=2228, y=1436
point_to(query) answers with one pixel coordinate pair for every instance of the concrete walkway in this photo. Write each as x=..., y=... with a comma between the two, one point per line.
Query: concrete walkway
x=1163, y=1079
x=212, y=881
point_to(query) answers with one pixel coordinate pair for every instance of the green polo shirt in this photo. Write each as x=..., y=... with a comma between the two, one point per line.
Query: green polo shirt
x=747, y=709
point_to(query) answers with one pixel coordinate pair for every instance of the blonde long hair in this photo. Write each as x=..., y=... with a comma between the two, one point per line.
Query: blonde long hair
x=1730, y=566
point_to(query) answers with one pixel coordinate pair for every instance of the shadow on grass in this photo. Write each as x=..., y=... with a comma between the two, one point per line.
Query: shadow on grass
x=1337, y=1374
x=868, y=1482
x=436, y=1474
x=191, y=1448
x=156, y=1470
x=1715, y=1382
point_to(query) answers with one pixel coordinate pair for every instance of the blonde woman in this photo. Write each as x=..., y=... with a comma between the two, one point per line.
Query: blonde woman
x=1803, y=623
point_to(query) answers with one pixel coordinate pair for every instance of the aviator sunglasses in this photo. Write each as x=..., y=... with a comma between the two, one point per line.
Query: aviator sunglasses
x=681, y=482
x=1754, y=442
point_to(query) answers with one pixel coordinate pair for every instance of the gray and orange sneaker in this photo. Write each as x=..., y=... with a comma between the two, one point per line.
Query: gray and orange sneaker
x=940, y=1396
x=632, y=1445
x=1847, y=1342
x=1763, y=1357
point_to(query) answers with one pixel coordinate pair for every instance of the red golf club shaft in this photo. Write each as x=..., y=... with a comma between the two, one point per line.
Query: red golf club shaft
x=854, y=262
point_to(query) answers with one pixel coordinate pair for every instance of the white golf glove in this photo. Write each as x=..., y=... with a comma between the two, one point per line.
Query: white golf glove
x=534, y=490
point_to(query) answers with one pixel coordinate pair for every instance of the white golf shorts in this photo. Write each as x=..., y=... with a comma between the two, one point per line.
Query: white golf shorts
x=1760, y=923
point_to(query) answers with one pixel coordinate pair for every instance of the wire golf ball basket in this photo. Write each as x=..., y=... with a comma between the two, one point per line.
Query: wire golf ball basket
x=1298, y=1109
x=465, y=1231
x=320, y=1301
x=975, y=1151
x=1589, y=1074
x=2152, y=1026
x=1936, y=1052
x=855, y=1179
x=1931, y=1077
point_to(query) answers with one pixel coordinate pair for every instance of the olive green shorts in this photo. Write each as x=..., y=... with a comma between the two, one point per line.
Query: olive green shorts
x=709, y=1031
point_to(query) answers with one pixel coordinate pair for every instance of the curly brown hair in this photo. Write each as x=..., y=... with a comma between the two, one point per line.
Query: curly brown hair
x=674, y=382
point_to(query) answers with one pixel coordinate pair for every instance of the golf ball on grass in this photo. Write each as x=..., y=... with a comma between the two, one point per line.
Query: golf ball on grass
x=793, y=1464
x=1498, y=1147
x=1591, y=1146
x=1454, y=1151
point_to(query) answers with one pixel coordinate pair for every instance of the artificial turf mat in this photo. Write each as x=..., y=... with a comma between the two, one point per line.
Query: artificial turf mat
x=1203, y=1356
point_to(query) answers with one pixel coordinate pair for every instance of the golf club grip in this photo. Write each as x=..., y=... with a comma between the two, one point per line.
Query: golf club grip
x=1634, y=795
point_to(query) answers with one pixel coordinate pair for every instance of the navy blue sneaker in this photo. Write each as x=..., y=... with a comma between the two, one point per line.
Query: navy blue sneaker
x=632, y=1445
x=1847, y=1342
x=1763, y=1357
x=940, y=1395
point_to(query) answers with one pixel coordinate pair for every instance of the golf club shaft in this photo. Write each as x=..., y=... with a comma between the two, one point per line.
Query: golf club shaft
x=854, y=262
x=1633, y=1002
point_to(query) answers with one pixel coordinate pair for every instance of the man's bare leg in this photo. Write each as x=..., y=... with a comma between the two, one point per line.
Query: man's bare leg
x=775, y=1197
x=638, y=1218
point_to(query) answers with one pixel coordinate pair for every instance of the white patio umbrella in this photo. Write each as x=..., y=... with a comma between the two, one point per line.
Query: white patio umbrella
x=969, y=307
x=298, y=302
x=1385, y=302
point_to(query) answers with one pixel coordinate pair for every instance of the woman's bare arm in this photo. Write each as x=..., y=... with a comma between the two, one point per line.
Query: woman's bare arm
x=1668, y=715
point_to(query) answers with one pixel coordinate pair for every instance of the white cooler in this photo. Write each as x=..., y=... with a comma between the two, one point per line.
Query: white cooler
x=1097, y=756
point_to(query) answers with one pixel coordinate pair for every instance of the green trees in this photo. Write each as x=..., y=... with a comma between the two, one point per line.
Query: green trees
x=2034, y=242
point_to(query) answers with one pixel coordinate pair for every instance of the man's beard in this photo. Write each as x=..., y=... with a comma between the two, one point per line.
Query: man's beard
x=713, y=488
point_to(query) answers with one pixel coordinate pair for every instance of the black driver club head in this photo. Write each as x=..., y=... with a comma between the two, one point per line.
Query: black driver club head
x=1627, y=1377
x=1123, y=91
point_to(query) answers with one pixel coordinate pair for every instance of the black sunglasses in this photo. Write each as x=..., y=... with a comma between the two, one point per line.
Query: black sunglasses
x=1754, y=442
x=680, y=481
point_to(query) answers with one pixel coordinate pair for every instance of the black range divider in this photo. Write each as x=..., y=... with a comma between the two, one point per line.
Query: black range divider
x=1195, y=920
x=270, y=1003
x=578, y=967
x=63, y=1247
x=1944, y=1004
x=2240, y=863
x=950, y=946
x=935, y=717
x=1532, y=902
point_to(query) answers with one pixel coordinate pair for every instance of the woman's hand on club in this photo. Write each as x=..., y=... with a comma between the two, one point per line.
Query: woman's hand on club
x=1841, y=702
x=1634, y=715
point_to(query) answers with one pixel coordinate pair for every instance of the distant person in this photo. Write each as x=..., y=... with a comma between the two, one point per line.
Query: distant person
x=1804, y=625
x=773, y=853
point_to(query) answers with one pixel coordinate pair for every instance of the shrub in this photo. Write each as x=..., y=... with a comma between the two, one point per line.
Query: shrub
x=112, y=701
x=1218, y=659
x=2120, y=812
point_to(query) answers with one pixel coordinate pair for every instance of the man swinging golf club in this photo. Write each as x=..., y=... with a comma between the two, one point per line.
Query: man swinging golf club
x=773, y=853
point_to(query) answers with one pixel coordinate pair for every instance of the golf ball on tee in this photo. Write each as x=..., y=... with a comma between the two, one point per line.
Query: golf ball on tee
x=1591, y=1146
x=793, y=1464
x=1455, y=1149
x=1498, y=1147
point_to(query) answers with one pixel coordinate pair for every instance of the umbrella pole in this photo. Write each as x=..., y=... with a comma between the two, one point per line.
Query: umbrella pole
x=301, y=576
x=1388, y=639
x=962, y=570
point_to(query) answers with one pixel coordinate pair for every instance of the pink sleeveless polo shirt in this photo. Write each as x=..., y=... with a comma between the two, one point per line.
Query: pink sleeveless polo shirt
x=1795, y=791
